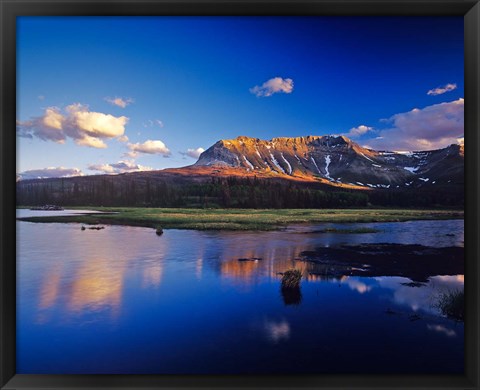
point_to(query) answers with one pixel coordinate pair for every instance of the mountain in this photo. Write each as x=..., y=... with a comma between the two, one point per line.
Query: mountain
x=300, y=172
x=337, y=161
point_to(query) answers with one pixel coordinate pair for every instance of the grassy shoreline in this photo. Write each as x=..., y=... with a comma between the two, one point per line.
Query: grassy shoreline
x=241, y=219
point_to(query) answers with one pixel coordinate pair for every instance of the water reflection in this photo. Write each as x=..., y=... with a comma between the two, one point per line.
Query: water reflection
x=90, y=275
x=152, y=275
x=251, y=267
x=96, y=287
x=199, y=267
x=48, y=295
x=442, y=329
x=404, y=293
x=246, y=271
x=22, y=213
x=128, y=292
x=253, y=258
x=423, y=297
x=428, y=233
x=83, y=272
x=277, y=331
x=291, y=296
x=356, y=284
x=50, y=289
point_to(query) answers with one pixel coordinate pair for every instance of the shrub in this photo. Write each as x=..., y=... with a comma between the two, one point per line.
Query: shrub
x=451, y=304
x=291, y=279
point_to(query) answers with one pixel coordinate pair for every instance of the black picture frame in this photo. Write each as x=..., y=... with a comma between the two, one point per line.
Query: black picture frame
x=10, y=9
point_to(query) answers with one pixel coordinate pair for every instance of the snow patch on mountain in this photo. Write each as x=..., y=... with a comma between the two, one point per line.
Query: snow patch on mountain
x=315, y=163
x=290, y=170
x=275, y=162
x=369, y=159
x=328, y=160
x=248, y=163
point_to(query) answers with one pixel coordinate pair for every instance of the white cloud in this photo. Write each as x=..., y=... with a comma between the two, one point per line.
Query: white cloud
x=41, y=97
x=86, y=128
x=95, y=123
x=93, y=142
x=358, y=131
x=150, y=147
x=130, y=154
x=104, y=168
x=155, y=122
x=442, y=90
x=193, y=153
x=123, y=138
x=119, y=102
x=119, y=167
x=47, y=127
x=275, y=85
x=53, y=118
x=432, y=127
x=50, y=172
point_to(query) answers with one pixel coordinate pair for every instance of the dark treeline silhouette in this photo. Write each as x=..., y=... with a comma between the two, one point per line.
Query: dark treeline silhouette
x=234, y=192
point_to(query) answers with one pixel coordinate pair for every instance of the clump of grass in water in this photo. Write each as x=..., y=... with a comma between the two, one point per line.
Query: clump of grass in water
x=451, y=304
x=291, y=279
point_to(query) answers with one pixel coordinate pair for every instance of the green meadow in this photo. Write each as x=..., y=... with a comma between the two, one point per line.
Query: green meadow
x=241, y=219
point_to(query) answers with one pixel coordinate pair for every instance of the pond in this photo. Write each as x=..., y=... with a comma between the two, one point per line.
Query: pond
x=124, y=300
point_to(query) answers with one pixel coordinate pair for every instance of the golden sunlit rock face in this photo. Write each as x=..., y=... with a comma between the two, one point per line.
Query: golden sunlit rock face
x=302, y=158
x=331, y=160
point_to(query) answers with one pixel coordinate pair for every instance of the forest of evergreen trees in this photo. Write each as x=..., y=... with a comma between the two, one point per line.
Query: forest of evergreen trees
x=231, y=192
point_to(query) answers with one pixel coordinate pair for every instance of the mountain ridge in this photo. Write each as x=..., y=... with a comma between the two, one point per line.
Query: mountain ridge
x=336, y=160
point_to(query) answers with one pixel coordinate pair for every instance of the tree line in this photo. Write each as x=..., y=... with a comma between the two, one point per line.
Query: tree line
x=232, y=192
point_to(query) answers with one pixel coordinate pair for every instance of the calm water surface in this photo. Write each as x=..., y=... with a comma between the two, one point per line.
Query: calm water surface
x=123, y=300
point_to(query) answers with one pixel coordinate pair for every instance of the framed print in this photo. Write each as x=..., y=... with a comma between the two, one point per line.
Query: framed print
x=239, y=195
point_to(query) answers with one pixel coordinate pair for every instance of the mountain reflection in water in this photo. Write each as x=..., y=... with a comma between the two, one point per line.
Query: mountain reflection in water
x=196, y=302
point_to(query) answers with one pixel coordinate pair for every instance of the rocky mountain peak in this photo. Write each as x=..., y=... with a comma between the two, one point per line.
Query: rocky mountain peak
x=333, y=159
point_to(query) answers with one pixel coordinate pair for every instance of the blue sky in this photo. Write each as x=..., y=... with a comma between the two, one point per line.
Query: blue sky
x=111, y=94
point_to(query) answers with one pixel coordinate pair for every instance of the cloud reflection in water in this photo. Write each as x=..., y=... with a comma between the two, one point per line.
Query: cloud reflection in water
x=442, y=329
x=277, y=331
